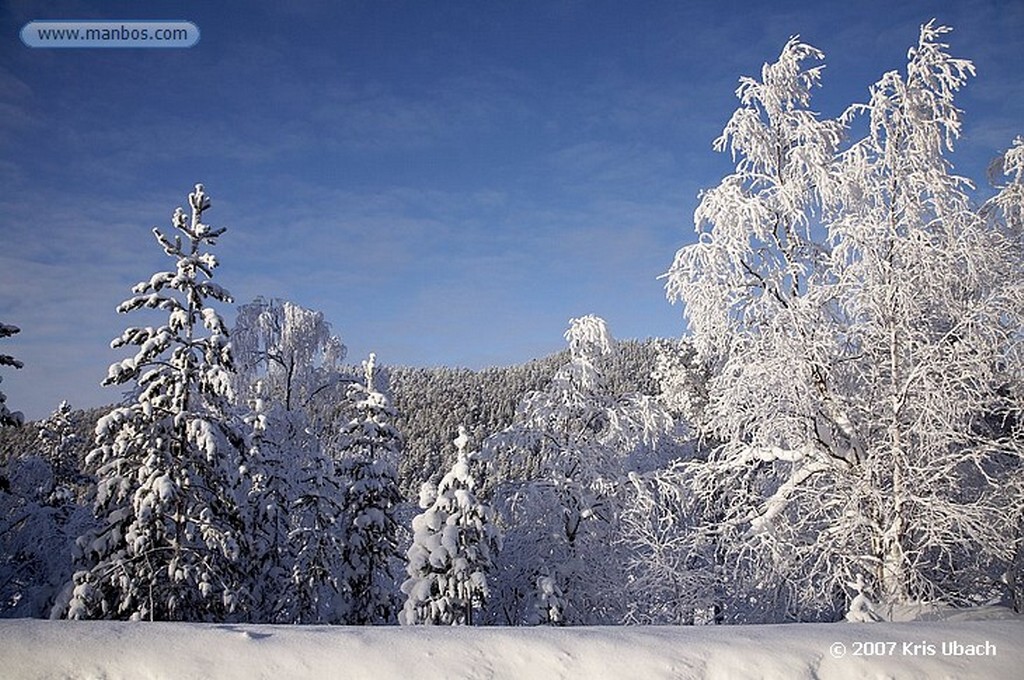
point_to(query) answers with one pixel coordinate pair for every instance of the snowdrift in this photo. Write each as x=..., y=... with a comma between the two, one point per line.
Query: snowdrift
x=991, y=648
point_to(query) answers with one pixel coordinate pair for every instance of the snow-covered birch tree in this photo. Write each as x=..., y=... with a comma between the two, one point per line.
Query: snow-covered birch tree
x=289, y=350
x=169, y=459
x=933, y=297
x=860, y=320
x=288, y=362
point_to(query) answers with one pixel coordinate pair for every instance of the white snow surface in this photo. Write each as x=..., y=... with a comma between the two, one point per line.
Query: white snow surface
x=33, y=648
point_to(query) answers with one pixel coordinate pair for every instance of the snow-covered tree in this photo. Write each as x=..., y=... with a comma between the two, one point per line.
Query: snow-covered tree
x=318, y=539
x=8, y=417
x=169, y=459
x=59, y=444
x=371, y=447
x=455, y=541
x=861, y=322
x=269, y=476
x=671, y=576
x=570, y=447
x=288, y=366
x=39, y=522
x=289, y=350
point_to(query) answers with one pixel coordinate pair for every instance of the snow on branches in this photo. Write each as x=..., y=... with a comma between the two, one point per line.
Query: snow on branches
x=168, y=461
x=8, y=417
x=370, y=446
x=455, y=541
x=860, y=321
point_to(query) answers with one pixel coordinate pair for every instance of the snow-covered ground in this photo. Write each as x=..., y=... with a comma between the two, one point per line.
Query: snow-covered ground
x=112, y=650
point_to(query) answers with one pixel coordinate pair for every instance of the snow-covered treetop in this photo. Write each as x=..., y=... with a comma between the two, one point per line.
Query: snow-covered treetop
x=461, y=441
x=755, y=227
x=589, y=338
x=1010, y=200
x=368, y=367
x=291, y=348
x=1013, y=161
x=192, y=280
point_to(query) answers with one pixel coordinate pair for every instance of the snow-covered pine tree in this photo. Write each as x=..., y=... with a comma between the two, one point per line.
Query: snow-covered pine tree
x=169, y=459
x=8, y=417
x=455, y=541
x=861, y=320
x=42, y=512
x=59, y=444
x=318, y=539
x=370, y=446
x=270, y=482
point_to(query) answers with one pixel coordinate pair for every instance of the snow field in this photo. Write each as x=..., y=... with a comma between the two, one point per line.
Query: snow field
x=36, y=649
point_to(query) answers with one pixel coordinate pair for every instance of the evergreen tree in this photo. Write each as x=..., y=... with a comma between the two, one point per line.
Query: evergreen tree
x=455, y=541
x=318, y=529
x=7, y=417
x=39, y=522
x=169, y=459
x=371, y=447
x=270, y=483
x=60, y=443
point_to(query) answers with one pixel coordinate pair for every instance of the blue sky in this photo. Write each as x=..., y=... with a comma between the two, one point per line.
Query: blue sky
x=449, y=182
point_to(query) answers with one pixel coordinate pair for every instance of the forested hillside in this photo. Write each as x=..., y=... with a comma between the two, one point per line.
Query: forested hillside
x=433, y=402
